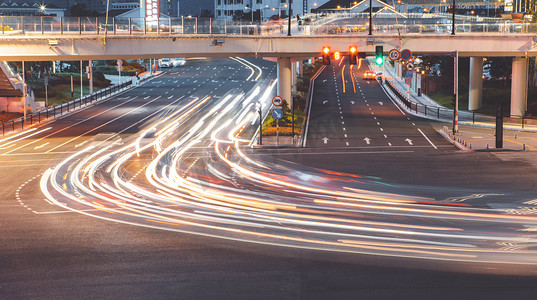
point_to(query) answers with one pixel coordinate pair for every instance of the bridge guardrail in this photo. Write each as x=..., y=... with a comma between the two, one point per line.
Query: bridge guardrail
x=59, y=110
x=51, y=25
x=446, y=114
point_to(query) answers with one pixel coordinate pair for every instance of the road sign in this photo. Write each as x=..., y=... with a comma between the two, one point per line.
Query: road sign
x=408, y=81
x=411, y=59
x=409, y=66
x=406, y=54
x=277, y=114
x=277, y=100
x=394, y=54
x=119, y=62
x=409, y=75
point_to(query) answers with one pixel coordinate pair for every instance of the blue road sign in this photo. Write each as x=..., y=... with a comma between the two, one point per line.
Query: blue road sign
x=406, y=54
x=408, y=74
x=277, y=114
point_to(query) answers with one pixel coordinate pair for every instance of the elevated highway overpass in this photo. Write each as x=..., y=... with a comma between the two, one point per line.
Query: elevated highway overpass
x=59, y=39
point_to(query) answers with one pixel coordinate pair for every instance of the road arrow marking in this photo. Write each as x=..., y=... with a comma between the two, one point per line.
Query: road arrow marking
x=409, y=141
x=325, y=101
x=352, y=102
x=381, y=103
x=367, y=140
x=325, y=140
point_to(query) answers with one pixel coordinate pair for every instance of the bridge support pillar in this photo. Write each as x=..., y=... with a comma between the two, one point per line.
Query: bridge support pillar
x=284, y=79
x=476, y=83
x=519, y=86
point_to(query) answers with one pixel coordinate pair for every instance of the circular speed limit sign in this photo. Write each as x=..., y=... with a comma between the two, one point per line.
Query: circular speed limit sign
x=277, y=100
x=394, y=54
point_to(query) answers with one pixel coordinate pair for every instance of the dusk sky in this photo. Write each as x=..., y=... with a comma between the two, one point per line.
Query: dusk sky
x=193, y=6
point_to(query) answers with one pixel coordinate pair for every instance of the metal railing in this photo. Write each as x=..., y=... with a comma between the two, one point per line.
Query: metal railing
x=446, y=114
x=353, y=24
x=59, y=110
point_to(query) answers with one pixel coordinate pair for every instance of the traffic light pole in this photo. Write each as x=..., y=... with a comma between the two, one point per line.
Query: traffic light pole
x=456, y=92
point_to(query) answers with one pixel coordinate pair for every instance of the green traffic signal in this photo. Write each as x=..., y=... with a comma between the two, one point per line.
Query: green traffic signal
x=378, y=60
x=379, y=55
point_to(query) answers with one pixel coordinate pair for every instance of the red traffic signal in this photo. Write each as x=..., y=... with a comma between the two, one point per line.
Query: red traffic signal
x=353, y=52
x=326, y=55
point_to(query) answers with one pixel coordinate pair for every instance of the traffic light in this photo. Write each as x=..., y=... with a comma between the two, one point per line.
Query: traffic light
x=336, y=55
x=379, y=55
x=352, y=55
x=326, y=55
x=453, y=100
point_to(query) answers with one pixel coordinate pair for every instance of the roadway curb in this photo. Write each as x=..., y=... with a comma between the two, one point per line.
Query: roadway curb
x=454, y=142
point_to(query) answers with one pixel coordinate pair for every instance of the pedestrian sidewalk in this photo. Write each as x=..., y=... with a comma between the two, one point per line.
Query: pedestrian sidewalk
x=471, y=138
x=425, y=107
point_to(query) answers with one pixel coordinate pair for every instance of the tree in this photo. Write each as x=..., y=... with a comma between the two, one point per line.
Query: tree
x=500, y=67
x=206, y=13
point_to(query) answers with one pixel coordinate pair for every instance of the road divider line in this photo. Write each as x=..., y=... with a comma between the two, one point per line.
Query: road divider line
x=434, y=146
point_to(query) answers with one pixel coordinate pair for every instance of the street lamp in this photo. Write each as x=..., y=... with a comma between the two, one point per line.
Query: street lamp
x=289, y=23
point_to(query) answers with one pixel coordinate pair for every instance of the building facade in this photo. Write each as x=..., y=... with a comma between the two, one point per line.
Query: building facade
x=263, y=9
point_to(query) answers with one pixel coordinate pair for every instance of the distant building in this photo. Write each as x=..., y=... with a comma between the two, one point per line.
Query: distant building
x=29, y=9
x=264, y=8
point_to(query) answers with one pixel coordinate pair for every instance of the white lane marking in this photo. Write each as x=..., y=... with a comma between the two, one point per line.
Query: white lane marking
x=409, y=141
x=76, y=146
x=381, y=129
x=390, y=144
x=434, y=146
x=347, y=143
x=367, y=140
x=325, y=140
x=38, y=147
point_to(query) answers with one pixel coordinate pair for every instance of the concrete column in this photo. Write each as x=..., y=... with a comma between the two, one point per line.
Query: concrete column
x=475, y=93
x=519, y=86
x=284, y=79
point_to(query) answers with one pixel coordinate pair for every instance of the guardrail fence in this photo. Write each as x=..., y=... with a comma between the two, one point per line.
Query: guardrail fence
x=59, y=110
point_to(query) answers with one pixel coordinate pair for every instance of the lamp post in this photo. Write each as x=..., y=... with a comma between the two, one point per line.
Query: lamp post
x=289, y=23
x=371, y=16
x=453, y=20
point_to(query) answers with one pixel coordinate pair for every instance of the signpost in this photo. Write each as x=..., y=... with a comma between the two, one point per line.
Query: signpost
x=277, y=101
x=394, y=54
x=277, y=114
x=406, y=54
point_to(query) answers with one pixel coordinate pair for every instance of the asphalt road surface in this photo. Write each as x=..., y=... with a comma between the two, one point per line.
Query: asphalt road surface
x=50, y=252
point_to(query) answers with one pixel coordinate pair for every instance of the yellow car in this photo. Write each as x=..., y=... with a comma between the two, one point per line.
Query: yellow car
x=370, y=75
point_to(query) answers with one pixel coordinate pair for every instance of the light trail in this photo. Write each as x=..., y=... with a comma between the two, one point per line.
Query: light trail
x=201, y=178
